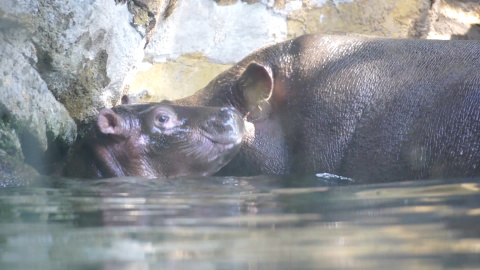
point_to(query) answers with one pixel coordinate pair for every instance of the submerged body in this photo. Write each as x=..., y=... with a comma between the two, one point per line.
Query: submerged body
x=372, y=109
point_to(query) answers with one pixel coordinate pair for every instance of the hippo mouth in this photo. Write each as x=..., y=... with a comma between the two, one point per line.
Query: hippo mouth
x=211, y=152
x=225, y=140
x=219, y=136
x=215, y=146
x=211, y=141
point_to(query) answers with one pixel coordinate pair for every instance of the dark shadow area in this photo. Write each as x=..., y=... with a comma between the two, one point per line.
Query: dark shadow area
x=46, y=163
x=472, y=34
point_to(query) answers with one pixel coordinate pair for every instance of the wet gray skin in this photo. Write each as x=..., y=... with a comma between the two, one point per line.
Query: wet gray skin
x=158, y=140
x=371, y=109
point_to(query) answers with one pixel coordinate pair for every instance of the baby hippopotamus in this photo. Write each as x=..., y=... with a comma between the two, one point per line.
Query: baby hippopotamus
x=158, y=140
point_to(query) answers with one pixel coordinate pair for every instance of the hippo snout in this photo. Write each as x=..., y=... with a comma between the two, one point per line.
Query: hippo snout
x=225, y=126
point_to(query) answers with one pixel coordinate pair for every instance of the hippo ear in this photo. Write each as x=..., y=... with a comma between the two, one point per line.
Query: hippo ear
x=109, y=122
x=256, y=82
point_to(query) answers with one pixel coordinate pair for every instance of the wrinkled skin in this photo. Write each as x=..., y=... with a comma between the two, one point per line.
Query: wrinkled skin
x=157, y=140
x=371, y=109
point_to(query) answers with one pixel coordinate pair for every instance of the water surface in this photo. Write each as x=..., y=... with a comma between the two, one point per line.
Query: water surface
x=240, y=223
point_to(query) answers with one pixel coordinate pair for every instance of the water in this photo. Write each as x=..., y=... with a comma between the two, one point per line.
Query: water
x=240, y=223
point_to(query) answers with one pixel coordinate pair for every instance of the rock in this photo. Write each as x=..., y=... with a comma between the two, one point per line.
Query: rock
x=85, y=49
x=33, y=125
x=15, y=173
x=454, y=19
x=183, y=74
x=147, y=13
x=389, y=18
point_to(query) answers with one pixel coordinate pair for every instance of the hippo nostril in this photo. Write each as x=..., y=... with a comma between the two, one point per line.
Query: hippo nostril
x=218, y=126
x=227, y=113
x=224, y=114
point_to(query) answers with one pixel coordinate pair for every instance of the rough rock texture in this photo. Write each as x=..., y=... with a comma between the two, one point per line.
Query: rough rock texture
x=455, y=19
x=15, y=172
x=390, y=18
x=85, y=49
x=221, y=32
x=33, y=125
x=147, y=13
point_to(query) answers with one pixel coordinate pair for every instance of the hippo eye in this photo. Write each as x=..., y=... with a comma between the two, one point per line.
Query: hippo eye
x=163, y=119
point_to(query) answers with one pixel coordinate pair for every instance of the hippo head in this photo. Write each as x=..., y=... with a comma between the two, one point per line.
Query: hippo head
x=159, y=140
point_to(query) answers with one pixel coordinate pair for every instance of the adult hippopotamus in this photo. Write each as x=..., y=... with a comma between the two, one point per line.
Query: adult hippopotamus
x=157, y=140
x=372, y=109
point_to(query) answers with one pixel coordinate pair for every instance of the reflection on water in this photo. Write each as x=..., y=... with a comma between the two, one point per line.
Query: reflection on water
x=240, y=223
